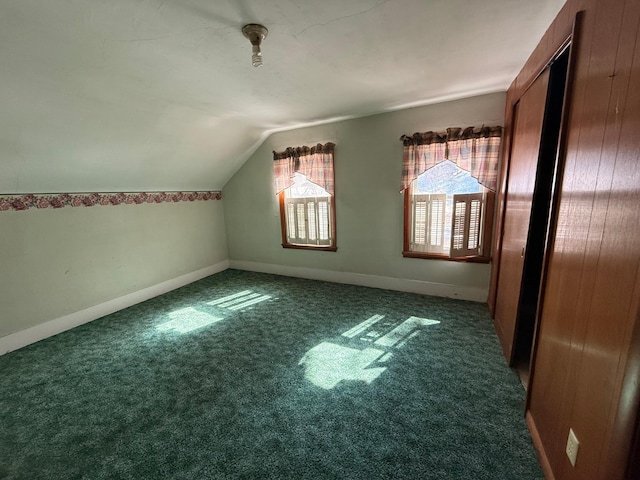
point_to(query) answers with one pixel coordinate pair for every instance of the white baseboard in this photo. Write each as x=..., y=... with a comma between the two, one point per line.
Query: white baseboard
x=31, y=335
x=474, y=294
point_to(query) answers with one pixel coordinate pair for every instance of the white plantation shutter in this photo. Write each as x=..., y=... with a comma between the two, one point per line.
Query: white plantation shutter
x=475, y=215
x=301, y=221
x=312, y=221
x=428, y=222
x=291, y=222
x=324, y=222
x=466, y=224
x=308, y=220
x=420, y=203
x=436, y=221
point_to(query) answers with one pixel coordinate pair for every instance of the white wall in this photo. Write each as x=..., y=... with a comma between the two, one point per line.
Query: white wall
x=369, y=206
x=54, y=263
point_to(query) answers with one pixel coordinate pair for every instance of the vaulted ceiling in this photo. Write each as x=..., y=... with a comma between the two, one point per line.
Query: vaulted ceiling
x=140, y=95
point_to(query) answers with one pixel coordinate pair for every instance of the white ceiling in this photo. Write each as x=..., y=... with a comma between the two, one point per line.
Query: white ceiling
x=140, y=95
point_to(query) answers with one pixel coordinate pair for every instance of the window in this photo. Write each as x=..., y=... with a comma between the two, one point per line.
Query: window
x=306, y=211
x=304, y=182
x=449, y=180
x=448, y=214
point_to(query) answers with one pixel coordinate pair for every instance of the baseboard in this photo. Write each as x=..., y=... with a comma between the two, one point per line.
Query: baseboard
x=537, y=443
x=389, y=283
x=31, y=335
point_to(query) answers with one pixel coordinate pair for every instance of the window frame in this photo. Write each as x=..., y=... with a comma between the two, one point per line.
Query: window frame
x=332, y=247
x=487, y=231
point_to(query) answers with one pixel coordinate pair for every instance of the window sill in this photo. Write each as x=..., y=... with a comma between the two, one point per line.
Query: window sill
x=321, y=248
x=435, y=256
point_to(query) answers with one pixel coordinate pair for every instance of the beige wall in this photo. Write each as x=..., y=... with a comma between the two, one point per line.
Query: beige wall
x=57, y=262
x=369, y=206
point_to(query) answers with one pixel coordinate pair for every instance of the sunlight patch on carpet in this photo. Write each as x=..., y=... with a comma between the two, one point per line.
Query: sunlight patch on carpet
x=188, y=319
x=258, y=299
x=361, y=327
x=229, y=297
x=328, y=363
x=404, y=330
x=239, y=300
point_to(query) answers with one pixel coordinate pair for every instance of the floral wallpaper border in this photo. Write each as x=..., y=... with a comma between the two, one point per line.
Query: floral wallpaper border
x=61, y=200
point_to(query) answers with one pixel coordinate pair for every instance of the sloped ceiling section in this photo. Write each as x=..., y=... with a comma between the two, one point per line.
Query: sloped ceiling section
x=143, y=95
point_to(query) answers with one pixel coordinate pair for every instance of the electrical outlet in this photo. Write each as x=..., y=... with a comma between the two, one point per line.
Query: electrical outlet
x=572, y=447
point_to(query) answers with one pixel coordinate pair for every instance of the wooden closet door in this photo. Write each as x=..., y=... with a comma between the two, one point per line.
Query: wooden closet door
x=523, y=163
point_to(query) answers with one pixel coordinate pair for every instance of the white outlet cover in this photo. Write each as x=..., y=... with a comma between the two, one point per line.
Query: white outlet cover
x=572, y=447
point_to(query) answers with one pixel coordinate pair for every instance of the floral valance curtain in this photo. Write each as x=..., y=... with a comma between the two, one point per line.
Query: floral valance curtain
x=473, y=150
x=315, y=163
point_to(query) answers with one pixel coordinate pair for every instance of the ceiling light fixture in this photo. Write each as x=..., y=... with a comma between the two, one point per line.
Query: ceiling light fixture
x=256, y=34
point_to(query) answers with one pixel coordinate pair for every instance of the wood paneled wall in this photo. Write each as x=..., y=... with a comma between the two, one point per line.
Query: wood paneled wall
x=586, y=357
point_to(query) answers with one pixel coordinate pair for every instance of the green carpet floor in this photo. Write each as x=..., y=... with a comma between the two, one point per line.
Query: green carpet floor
x=252, y=376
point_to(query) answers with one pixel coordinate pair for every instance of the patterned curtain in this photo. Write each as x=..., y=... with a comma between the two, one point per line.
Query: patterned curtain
x=315, y=163
x=473, y=150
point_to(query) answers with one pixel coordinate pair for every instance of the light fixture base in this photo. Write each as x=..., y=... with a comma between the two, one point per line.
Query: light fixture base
x=255, y=33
